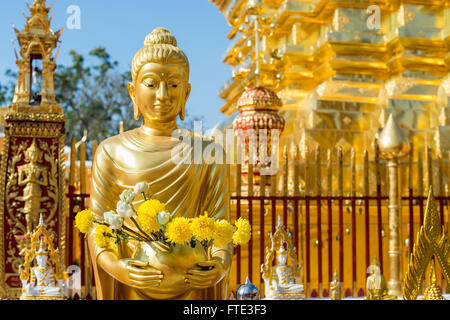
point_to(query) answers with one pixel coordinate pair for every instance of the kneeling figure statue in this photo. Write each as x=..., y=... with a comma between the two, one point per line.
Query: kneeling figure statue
x=376, y=284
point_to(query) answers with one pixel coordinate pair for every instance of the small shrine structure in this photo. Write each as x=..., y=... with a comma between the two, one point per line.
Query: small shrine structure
x=32, y=162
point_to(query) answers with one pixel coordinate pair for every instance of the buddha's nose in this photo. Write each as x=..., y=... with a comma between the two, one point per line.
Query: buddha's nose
x=162, y=92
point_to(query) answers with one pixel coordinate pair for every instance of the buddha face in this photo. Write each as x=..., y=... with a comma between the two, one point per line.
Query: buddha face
x=42, y=261
x=282, y=259
x=32, y=156
x=160, y=92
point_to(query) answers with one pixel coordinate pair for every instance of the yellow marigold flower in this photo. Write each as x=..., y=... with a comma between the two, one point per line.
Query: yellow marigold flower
x=84, y=220
x=101, y=238
x=147, y=215
x=243, y=233
x=223, y=233
x=179, y=230
x=243, y=224
x=151, y=205
x=203, y=227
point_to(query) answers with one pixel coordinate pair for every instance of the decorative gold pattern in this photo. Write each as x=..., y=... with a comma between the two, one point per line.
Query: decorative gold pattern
x=37, y=41
x=33, y=177
x=432, y=292
x=259, y=97
x=393, y=145
x=277, y=242
x=431, y=241
x=41, y=127
x=40, y=237
x=39, y=117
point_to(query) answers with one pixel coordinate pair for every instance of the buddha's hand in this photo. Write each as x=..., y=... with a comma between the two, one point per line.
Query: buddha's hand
x=141, y=275
x=207, y=274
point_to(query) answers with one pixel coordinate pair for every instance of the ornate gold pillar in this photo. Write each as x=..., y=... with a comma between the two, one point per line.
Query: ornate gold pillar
x=393, y=145
x=32, y=162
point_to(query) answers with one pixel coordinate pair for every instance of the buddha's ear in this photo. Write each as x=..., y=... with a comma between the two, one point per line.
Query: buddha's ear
x=188, y=91
x=183, y=107
x=136, y=112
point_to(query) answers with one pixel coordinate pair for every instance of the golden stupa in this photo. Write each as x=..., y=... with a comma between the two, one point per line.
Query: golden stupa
x=341, y=68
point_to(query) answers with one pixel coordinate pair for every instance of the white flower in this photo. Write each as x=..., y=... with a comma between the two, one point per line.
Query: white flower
x=106, y=215
x=163, y=218
x=141, y=187
x=124, y=209
x=127, y=196
x=114, y=220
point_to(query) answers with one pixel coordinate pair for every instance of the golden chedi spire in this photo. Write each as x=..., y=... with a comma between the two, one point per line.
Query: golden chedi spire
x=37, y=42
x=433, y=292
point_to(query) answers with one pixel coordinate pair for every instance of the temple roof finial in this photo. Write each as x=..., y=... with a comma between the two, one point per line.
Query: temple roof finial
x=393, y=142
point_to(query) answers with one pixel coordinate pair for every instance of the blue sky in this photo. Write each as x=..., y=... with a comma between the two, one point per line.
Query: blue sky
x=121, y=26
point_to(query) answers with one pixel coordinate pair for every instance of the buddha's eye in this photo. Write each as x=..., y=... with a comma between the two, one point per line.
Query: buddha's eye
x=150, y=84
x=173, y=83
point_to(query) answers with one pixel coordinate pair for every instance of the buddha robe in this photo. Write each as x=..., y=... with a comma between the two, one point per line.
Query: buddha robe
x=187, y=189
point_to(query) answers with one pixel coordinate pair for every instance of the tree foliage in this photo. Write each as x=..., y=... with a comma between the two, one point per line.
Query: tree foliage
x=94, y=96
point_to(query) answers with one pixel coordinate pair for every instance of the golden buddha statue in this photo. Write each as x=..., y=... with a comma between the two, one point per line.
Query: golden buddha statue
x=33, y=176
x=159, y=90
x=376, y=284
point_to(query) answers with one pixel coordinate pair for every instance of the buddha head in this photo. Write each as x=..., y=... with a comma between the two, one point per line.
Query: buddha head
x=160, y=86
x=374, y=268
x=42, y=256
x=281, y=255
x=33, y=154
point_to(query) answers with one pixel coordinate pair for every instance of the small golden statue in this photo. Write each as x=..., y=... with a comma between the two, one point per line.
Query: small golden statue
x=188, y=188
x=376, y=288
x=281, y=281
x=43, y=281
x=32, y=175
x=433, y=292
x=336, y=291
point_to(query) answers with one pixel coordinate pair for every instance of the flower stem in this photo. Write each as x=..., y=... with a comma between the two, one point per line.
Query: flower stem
x=131, y=236
x=149, y=238
x=136, y=234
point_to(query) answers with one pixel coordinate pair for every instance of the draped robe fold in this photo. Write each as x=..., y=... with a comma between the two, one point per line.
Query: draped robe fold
x=187, y=189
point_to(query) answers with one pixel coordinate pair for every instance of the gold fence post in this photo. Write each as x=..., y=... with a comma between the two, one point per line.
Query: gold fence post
x=393, y=145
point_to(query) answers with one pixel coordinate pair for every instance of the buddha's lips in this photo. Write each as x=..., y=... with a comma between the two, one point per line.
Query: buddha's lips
x=162, y=107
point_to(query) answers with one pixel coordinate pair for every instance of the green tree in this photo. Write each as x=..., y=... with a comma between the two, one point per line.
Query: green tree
x=7, y=89
x=94, y=97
